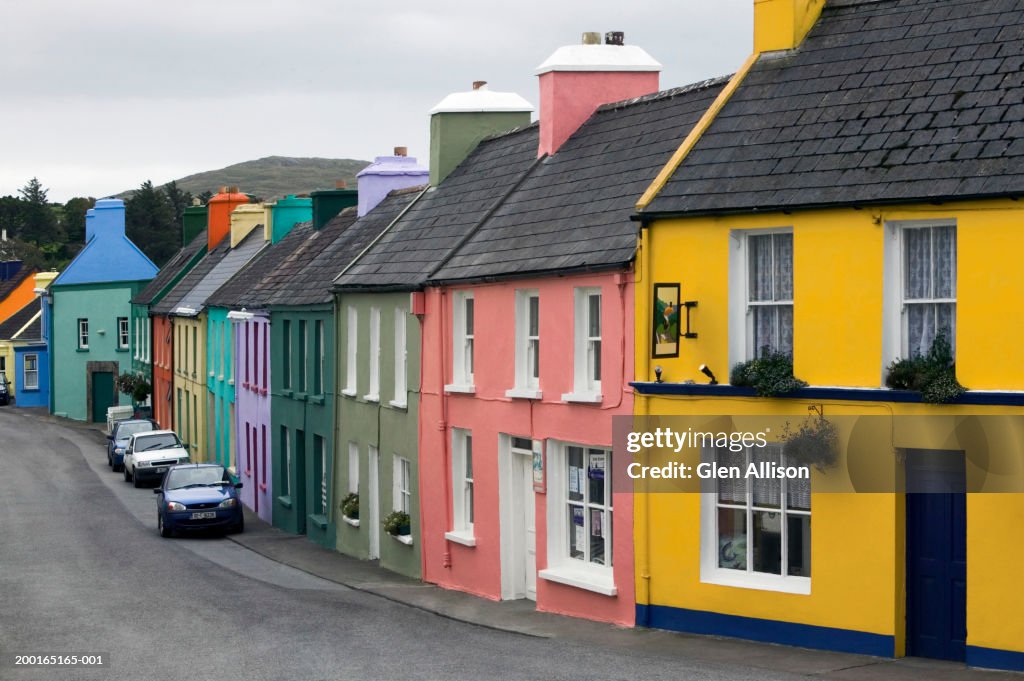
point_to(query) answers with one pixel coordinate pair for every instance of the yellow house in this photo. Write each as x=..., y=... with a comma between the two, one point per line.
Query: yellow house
x=849, y=201
x=23, y=289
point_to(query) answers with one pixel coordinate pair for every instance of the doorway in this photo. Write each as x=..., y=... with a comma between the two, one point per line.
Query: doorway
x=936, y=554
x=374, y=505
x=102, y=395
x=518, y=526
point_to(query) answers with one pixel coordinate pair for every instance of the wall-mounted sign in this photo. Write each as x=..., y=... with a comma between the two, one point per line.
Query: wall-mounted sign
x=665, y=321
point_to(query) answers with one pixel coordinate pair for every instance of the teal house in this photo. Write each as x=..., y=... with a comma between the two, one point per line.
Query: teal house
x=91, y=343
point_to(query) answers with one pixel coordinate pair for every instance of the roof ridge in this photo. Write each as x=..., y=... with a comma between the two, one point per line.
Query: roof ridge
x=665, y=94
x=513, y=131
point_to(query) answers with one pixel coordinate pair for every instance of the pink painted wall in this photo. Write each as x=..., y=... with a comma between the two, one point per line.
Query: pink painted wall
x=488, y=413
x=568, y=98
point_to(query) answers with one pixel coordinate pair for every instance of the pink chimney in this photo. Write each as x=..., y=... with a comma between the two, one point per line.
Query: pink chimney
x=577, y=79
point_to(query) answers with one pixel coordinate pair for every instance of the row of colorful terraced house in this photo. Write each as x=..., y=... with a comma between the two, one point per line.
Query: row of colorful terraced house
x=425, y=370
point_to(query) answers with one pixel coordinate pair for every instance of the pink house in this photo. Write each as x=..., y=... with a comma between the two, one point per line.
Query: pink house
x=528, y=347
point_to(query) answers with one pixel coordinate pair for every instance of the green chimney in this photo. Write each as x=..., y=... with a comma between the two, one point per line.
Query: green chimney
x=192, y=223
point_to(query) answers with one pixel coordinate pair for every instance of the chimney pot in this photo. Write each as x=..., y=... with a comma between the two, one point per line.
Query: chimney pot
x=591, y=38
x=223, y=190
x=477, y=84
x=401, y=151
x=196, y=202
x=340, y=184
x=615, y=38
x=233, y=189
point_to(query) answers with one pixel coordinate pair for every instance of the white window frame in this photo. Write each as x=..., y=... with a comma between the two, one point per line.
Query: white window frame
x=83, y=333
x=462, y=488
x=373, y=395
x=894, y=327
x=463, y=343
x=711, y=573
x=353, y=467
x=401, y=396
x=351, y=348
x=563, y=568
x=123, y=333
x=741, y=318
x=303, y=347
x=322, y=456
x=26, y=372
x=527, y=385
x=587, y=349
x=137, y=350
x=401, y=492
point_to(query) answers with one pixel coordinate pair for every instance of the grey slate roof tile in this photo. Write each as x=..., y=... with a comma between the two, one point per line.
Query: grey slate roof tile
x=233, y=260
x=920, y=98
x=246, y=288
x=171, y=269
x=192, y=279
x=19, y=319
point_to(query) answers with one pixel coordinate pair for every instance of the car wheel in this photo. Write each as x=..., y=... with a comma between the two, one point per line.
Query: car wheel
x=135, y=482
x=165, y=532
x=239, y=528
x=127, y=475
x=110, y=459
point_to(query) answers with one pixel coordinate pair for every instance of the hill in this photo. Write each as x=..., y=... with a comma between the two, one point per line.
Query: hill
x=274, y=176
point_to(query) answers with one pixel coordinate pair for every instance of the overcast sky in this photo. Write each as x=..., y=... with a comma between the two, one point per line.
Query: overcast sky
x=98, y=96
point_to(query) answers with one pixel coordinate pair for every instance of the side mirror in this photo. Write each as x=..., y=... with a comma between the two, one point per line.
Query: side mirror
x=238, y=485
x=157, y=490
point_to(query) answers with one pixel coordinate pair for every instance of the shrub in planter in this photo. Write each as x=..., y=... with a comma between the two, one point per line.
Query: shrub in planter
x=397, y=523
x=933, y=374
x=770, y=375
x=135, y=385
x=814, y=443
x=350, y=506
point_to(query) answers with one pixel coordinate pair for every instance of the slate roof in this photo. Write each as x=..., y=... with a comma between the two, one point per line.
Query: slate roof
x=437, y=222
x=246, y=289
x=310, y=281
x=7, y=286
x=573, y=210
x=171, y=269
x=192, y=279
x=233, y=260
x=30, y=313
x=886, y=101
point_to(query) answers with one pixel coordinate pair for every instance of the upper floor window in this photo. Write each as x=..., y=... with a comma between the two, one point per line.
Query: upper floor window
x=31, y=372
x=351, y=345
x=761, y=294
x=318, y=354
x=303, y=368
x=286, y=353
x=586, y=346
x=462, y=339
x=138, y=339
x=374, y=392
x=123, y=333
x=756, y=533
x=83, y=334
x=401, y=356
x=462, y=482
x=527, y=360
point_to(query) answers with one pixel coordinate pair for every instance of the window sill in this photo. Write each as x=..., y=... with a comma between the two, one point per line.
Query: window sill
x=354, y=522
x=231, y=381
x=581, y=579
x=582, y=398
x=760, y=582
x=524, y=393
x=460, y=388
x=463, y=537
x=286, y=393
x=348, y=393
x=285, y=501
x=81, y=349
x=211, y=374
x=398, y=405
x=403, y=539
x=316, y=399
x=220, y=377
x=318, y=520
x=371, y=398
x=120, y=349
x=263, y=487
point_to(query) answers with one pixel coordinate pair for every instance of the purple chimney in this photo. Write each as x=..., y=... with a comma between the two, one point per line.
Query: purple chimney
x=386, y=174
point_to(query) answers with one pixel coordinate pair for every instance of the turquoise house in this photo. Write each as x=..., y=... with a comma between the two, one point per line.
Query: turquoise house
x=91, y=342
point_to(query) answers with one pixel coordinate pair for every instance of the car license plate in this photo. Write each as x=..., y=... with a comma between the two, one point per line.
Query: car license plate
x=161, y=469
x=203, y=515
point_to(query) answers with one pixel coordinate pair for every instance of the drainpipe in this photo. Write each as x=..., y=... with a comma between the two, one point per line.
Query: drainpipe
x=640, y=408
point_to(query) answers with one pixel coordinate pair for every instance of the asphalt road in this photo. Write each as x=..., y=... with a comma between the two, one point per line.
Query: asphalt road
x=82, y=569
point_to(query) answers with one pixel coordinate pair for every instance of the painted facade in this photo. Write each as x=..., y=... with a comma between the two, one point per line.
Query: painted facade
x=884, y=573
x=91, y=317
x=16, y=284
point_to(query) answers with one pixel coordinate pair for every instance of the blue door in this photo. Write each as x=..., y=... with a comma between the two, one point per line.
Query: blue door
x=936, y=555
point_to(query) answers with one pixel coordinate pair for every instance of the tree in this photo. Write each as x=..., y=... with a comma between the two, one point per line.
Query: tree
x=178, y=198
x=205, y=197
x=39, y=223
x=73, y=220
x=150, y=223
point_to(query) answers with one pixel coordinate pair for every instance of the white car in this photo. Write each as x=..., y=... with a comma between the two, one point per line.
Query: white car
x=149, y=455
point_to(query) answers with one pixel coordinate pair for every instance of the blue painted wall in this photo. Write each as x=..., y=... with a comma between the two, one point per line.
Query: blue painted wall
x=40, y=397
x=220, y=366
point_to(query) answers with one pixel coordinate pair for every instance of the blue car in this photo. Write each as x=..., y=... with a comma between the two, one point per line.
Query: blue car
x=199, y=496
x=119, y=436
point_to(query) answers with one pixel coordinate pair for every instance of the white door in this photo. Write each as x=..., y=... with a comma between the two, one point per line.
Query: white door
x=373, y=515
x=525, y=466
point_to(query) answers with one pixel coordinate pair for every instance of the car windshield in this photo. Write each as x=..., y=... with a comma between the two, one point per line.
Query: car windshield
x=178, y=478
x=151, y=442
x=126, y=430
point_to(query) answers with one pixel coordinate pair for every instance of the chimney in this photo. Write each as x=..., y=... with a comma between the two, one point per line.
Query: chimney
x=577, y=79
x=108, y=219
x=783, y=24
x=388, y=173
x=462, y=119
x=193, y=222
x=90, y=217
x=329, y=202
x=288, y=212
x=244, y=219
x=218, y=222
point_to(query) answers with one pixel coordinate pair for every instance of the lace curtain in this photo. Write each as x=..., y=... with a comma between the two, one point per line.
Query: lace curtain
x=771, y=291
x=929, y=286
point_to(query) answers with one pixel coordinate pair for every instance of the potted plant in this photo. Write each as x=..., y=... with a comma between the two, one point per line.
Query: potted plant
x=814, y=443
x=350, y=506
x=770, y=375
x=397, y=523
x=932, y=374
x=135, y=385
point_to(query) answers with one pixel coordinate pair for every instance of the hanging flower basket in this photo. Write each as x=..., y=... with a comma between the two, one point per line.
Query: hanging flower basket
x=814, y=443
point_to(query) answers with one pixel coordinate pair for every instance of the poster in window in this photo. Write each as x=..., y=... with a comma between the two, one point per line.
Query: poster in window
x=595, y=523
x=538, y=467
x=665, y=322
x=578, y=527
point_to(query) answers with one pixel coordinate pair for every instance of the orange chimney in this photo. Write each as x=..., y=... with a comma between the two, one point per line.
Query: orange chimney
x=220, y=206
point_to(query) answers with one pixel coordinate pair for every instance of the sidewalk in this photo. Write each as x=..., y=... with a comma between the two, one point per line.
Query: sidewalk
x=521, y=617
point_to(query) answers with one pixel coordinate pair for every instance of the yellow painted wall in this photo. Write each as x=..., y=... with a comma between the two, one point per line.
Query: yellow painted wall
x=244, y=218
x=190, y=379
x=782, y=24
x=858, y=542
